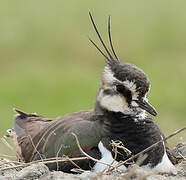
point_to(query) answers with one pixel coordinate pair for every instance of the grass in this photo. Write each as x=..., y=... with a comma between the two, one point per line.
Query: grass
x=48, y=66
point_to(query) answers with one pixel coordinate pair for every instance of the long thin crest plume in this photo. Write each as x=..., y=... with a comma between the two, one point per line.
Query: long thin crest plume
x=99, y=49
x=109, y=58
x=110, y=39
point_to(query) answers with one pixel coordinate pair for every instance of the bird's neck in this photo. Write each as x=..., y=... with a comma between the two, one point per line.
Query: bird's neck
x=134, y=133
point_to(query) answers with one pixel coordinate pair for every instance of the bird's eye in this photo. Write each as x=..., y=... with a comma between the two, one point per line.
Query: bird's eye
x=125, y=92
x=120, y=88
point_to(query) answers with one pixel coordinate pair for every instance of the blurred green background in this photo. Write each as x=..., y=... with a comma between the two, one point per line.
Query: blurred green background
x=48, y=65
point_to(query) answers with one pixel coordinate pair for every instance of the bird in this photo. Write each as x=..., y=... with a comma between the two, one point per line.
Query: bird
x=120, y=114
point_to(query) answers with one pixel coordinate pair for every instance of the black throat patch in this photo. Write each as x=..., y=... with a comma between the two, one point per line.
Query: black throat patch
x=136, y=135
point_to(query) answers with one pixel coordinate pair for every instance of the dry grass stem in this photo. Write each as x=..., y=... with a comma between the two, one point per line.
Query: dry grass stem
x=184, y=158
x=7, y=144
x=44, y=161
x=42, y=138
x=58, y=156
x=35, y=147
x=141, y=159
x=120, y=145
x=115, y=146
x=7, y=156
x=81, y=150
x=78, y=168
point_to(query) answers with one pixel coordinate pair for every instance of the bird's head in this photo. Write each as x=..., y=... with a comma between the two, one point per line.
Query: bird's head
x=124, y=87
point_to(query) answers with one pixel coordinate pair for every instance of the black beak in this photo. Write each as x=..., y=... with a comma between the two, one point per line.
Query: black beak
x=147, y=107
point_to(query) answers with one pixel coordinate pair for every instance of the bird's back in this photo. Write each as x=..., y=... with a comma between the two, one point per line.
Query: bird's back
x=39, y=137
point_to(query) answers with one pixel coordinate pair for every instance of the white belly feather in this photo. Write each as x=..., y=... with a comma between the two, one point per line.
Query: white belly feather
x=106, y=158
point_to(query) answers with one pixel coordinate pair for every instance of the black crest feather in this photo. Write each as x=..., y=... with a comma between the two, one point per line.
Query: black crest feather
x=109, y=57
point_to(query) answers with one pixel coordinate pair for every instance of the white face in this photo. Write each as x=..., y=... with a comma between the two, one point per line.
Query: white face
x=115, y=101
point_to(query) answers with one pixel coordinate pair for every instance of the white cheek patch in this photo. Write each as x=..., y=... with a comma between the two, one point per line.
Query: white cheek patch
x=114, y=103
x=118, y=103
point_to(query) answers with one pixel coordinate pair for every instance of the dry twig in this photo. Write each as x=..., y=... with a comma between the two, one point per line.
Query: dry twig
x=96, y=160
x=57, y=155
x=44, y=161
x=35, y=147
x=5, y=142
x=184, y=158
x=7, y=156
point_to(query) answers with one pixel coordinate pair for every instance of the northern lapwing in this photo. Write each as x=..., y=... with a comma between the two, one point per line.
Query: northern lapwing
x=119, y=114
